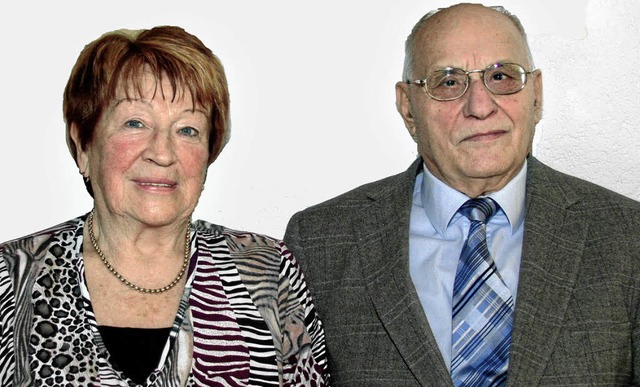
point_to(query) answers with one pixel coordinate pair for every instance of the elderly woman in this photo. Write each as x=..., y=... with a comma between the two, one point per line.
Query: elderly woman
x=134, y=292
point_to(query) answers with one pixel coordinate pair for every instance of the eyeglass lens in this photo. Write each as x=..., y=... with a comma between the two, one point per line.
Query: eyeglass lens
x=451, y=83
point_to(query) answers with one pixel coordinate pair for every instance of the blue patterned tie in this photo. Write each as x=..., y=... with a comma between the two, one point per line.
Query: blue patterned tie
x=482, y=307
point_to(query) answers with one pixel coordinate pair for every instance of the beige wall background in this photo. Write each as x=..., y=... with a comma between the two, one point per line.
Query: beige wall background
x=312, y=89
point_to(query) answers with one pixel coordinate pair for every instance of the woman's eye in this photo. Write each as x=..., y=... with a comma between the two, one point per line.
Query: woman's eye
x=189, y=131
x=134, y=124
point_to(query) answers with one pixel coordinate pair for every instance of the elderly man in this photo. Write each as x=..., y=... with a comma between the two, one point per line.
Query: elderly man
x=479, y=265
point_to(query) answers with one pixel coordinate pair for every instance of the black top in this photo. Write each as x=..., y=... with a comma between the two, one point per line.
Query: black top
x=134, y=351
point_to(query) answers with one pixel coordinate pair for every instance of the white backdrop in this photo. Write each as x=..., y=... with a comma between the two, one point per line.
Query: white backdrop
x=312, y=93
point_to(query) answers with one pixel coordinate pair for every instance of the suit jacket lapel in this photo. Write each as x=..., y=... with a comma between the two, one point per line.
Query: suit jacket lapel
x=552, y=250
x=384, y=240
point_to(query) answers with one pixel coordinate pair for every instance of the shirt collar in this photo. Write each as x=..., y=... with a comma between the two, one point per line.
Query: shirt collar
x=441, y=202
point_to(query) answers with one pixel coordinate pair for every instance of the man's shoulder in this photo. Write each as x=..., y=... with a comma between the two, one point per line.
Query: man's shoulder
x=579, y=193
x=365, y=191
x=363, y=195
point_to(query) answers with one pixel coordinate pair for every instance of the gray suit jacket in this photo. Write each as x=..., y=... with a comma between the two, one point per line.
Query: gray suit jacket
x=577, y=314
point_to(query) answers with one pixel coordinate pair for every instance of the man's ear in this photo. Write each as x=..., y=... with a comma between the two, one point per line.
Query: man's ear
x=82, y=157
x=537, y=102
x=403, y=104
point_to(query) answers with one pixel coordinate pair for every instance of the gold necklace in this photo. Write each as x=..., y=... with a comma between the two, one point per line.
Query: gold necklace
x=140, y=289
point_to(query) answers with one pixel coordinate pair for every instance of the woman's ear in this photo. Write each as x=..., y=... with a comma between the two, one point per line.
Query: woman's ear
x=82, y=157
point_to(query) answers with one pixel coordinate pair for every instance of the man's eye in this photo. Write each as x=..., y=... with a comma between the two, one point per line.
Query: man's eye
x=446, y=79
x=498, y=76
x=449, y=83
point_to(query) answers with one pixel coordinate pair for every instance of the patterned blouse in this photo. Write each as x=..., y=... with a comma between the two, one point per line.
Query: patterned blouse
x=245, y=319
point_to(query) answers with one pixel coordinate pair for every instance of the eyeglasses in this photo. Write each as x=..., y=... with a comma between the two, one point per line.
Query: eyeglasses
x=451, y=83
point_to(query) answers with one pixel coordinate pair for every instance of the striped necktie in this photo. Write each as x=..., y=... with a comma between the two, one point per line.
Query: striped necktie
x=482, y=307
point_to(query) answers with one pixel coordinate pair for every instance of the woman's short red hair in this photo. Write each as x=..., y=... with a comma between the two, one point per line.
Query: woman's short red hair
x=117, y=60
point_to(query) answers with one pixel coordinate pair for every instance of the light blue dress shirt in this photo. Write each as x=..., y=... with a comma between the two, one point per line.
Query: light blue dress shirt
x=436, y=236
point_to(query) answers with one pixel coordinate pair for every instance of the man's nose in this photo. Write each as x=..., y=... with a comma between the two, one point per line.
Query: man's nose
x=479, y=101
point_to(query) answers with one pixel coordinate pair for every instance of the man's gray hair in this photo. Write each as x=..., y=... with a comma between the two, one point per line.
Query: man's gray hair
x=407, y=71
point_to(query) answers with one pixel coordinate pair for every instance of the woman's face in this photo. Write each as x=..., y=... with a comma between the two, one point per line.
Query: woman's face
x=148, y=158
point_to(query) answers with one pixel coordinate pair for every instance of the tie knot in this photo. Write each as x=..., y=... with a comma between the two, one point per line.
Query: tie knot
x=480, y=209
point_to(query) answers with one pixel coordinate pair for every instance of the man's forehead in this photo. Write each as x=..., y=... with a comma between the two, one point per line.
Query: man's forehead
x=467, y=17
x=461, y=12
x=469, y=35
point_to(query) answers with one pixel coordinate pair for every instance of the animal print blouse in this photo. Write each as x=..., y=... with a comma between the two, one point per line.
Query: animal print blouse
x=246, y=317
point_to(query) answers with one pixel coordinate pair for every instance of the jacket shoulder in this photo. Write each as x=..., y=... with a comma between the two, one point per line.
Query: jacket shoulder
x=579, y=194
x=401, y=183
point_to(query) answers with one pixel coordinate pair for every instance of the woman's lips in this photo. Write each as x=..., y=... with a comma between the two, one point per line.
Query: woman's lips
x=156, y=184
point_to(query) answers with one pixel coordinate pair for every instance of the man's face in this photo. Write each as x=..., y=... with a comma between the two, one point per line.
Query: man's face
x=478, y=142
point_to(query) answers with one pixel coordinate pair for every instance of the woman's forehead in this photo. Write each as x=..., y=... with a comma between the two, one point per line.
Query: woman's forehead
x=147, y=86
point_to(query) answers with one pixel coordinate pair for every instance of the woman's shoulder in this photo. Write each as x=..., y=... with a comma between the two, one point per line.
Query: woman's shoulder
x=249, y=251
x=36, y=241
x=238, y=238
x=26, y=256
